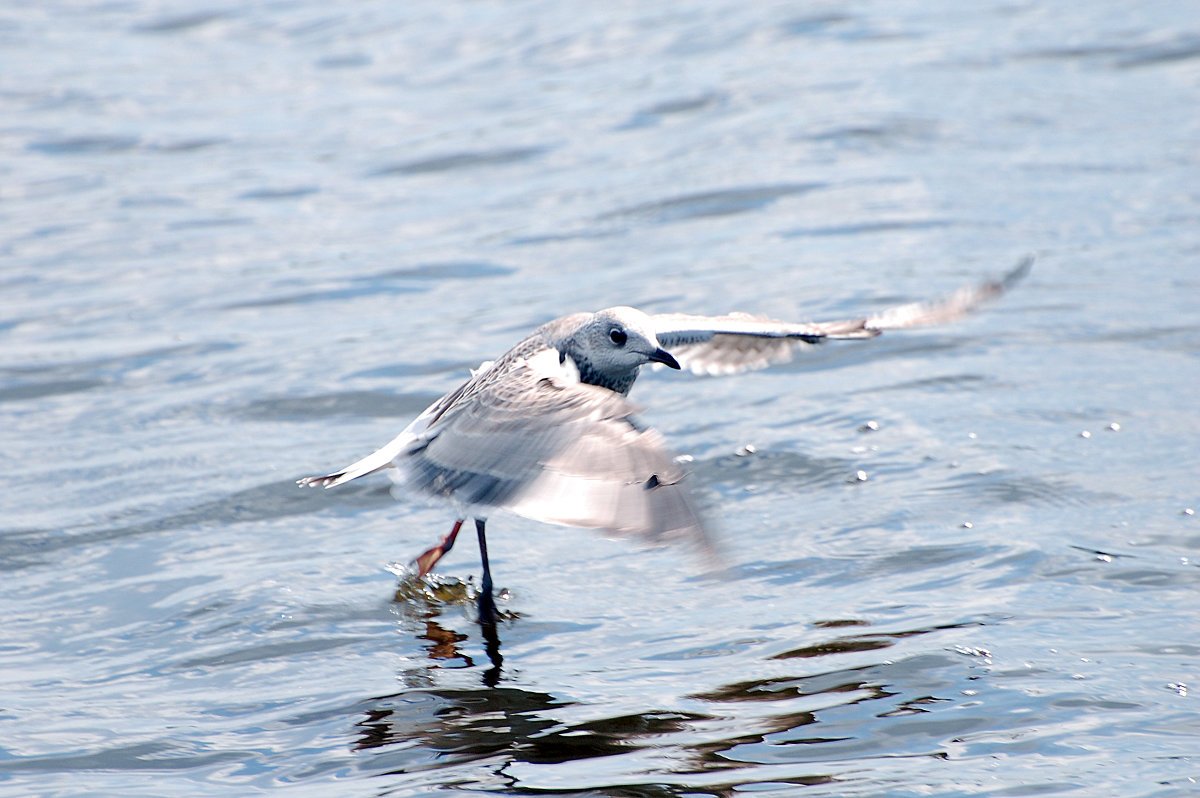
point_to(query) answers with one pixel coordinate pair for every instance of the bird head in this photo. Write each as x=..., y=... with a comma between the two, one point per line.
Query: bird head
x=620, y=339
x=611, y=345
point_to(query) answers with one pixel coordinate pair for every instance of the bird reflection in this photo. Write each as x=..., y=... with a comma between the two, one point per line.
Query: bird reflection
x=422, y=599
x=804, y=725
x=467, y=723
x=464, y=724
x=492, y=647
x=445, y=642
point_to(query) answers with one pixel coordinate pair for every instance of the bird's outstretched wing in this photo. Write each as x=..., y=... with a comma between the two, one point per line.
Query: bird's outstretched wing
x=740, y=342
x=533, y=440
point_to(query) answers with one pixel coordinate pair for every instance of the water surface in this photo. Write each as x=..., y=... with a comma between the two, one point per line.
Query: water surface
x=242, y=245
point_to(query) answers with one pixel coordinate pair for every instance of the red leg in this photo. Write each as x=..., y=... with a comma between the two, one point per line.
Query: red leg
x=427, y=560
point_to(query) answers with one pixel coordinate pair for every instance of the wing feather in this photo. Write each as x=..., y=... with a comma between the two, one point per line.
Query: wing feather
x=535, y=442
x=739, y=342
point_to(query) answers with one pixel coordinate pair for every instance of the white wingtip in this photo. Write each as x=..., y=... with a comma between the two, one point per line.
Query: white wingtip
x=327, y=481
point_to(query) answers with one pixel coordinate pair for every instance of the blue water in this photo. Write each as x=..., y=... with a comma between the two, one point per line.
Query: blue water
x=244, y=243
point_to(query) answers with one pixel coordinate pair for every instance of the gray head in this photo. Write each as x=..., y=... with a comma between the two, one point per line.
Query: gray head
x=610, y=345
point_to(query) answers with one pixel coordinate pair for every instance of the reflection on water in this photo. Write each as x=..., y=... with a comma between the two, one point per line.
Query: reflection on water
x=422, y=600
x=862, y=642
x=818, y=718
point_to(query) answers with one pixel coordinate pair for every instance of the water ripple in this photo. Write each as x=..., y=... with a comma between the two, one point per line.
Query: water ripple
x=459, y=161
x=723, y=202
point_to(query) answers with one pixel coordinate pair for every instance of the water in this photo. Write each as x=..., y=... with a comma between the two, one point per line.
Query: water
x=242, y=245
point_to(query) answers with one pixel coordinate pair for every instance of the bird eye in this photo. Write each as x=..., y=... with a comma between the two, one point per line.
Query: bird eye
x=617, y=336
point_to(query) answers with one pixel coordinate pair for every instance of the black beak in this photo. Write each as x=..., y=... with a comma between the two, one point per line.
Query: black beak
x=663, y=356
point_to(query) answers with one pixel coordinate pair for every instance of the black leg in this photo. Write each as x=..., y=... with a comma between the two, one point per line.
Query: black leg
x=487, y=613
x=487, y=604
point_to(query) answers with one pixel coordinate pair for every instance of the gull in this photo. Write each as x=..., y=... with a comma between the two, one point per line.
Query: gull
x=547, y=430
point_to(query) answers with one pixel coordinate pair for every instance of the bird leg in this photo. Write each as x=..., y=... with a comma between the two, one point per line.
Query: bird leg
x=427, y=560
x=487, y=604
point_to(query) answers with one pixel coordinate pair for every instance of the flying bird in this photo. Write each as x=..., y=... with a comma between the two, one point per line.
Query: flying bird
x=547, y=431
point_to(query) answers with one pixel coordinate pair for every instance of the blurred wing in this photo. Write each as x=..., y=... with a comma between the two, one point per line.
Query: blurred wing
x=952, y=306
x=740, y=342
x=536, y=441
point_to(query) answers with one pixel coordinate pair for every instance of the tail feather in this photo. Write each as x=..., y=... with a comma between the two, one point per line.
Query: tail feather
x=375, y=461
